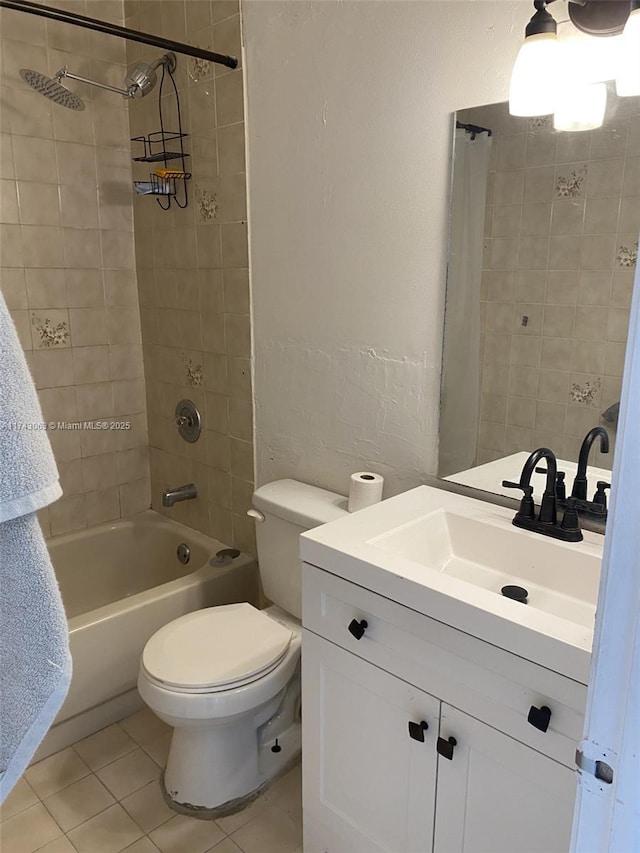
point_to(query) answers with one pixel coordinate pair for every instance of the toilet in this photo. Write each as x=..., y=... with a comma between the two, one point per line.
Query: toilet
x=227, y=678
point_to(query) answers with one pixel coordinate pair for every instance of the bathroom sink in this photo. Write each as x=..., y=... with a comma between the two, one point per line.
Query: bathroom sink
x=448, y=557
x=562, y=582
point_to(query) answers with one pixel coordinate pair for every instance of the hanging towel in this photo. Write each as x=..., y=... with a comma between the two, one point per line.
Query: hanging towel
x=35, y=664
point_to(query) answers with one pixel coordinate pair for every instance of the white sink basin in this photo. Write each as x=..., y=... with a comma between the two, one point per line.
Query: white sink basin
x=448, y=557
x=562, y=582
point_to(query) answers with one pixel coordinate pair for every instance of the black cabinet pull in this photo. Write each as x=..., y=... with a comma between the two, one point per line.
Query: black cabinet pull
x=445, y=747
x=358, y=628
x=539, y=717
x=417, y=730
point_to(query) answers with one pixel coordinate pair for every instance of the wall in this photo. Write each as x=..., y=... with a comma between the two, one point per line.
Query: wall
x=349, y=135
x=193, y=277
x=68, y=270
x=561, y=225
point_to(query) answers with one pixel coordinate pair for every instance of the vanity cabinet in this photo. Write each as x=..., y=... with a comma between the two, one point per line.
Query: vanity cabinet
x=372, y=785
x=496, y=795
x=480, y=777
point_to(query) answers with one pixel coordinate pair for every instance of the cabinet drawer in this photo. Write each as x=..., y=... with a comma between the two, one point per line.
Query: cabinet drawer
x=491, y=684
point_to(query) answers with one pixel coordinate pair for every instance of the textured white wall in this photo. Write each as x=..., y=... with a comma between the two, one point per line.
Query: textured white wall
x=350, y=128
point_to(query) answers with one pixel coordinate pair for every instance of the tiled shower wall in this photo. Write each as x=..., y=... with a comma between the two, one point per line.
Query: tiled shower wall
x=561, y=227
x=193, y=278
x=67, y=260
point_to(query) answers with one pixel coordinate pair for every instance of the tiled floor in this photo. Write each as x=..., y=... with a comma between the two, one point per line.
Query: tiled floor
x=102, y=795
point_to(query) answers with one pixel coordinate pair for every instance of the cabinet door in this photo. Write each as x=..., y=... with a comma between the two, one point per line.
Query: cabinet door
x=368, y=786
x=496, y=795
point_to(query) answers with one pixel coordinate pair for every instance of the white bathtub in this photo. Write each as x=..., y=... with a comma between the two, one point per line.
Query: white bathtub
x=120, y=582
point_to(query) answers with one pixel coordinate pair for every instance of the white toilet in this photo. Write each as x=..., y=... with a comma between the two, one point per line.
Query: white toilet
x=227, y=678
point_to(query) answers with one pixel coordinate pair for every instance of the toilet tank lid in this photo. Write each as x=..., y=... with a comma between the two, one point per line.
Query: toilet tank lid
x=304, y=505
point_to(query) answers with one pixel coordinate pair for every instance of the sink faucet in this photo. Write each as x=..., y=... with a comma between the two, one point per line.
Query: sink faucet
x=580, y=483
x=182, y=493
x=547, y=520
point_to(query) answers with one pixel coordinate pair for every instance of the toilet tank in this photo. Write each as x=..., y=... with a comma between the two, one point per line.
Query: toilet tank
x=289, y=508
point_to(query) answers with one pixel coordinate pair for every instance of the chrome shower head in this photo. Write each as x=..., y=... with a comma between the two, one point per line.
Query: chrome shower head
x=52, y=88
x=141, y=79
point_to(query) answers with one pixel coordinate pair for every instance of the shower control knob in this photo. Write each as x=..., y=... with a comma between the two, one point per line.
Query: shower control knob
x=358, y=628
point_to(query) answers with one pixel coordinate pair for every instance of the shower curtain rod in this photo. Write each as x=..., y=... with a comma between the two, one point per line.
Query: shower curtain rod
x=115, y=30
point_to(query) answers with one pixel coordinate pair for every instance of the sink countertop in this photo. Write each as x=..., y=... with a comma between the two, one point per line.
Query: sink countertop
x=360, y=548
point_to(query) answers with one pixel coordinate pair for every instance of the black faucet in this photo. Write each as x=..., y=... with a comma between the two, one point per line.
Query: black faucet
x=579, y=490
x=547, y=520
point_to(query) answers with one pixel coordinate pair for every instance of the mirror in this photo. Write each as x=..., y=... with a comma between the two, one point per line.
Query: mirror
x=543, y=247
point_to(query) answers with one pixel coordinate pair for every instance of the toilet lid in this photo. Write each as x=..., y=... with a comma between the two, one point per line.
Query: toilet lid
x=215, y=647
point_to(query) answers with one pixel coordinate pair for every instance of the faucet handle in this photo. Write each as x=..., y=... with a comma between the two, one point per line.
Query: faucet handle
x=527, y=506
x=600, y=497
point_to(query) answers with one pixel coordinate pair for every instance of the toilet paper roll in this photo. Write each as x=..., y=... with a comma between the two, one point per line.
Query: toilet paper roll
x=365, y=489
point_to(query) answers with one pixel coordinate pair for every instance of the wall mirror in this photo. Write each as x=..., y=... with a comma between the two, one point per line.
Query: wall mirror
x=543, y=248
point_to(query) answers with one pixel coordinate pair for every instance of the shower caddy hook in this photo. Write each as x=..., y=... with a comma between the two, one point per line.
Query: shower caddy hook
x=165, y=181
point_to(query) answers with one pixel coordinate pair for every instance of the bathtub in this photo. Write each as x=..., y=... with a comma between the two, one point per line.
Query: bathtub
x=120, y=582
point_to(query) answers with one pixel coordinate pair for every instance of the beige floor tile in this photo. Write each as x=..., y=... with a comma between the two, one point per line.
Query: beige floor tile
x=21, y=797
x=286, y=793
x=227, y=845
x=56, y=772
x=109, y=832
x=158, y=749
x=147, y=807
x=129, y=773
x=144, y=726
x=79, y=802
x=272, y=831
x=182, y=834
x=104, y=746
x=145, y=845
x=60, y=845
x=232, y=822
x=29, y=830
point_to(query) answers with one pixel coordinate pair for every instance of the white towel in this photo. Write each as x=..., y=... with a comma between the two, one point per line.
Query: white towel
x=28, y=473
x=35, y=664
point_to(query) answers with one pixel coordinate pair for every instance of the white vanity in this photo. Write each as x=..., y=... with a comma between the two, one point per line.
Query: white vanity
x=439, y=714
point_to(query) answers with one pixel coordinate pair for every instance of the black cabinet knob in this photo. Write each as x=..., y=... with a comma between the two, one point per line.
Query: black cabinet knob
x=417, y=730
x=358, y=628
x=539, y=717
x=445, y=747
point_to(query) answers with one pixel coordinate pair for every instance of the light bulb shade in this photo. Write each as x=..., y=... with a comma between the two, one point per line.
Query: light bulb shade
x=580, y=106
x=533, y=90
x=628, y=77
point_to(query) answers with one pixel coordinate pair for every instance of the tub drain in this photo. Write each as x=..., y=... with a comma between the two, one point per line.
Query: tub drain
x=224, y=557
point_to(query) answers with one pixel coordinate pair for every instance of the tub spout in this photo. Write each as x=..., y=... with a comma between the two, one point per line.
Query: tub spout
x=182, y=493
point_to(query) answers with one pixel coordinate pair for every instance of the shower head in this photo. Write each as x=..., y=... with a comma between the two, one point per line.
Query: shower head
x=52, y=88
x=138, y=82
x=141, y=79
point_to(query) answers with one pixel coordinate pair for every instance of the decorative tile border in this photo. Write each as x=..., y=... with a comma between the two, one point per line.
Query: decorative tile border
x=51, y=334
x=626, y=257
x=540, y=123
x=199, y=68
x=571, y=186
x=208, y=206
x=193, y=371
x=585, y=393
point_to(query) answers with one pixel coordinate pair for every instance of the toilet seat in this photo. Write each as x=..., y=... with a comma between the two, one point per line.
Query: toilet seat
x=215, y=649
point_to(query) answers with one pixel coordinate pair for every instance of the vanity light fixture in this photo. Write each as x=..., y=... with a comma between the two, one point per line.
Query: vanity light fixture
x=545, y=79
x=534, y=76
